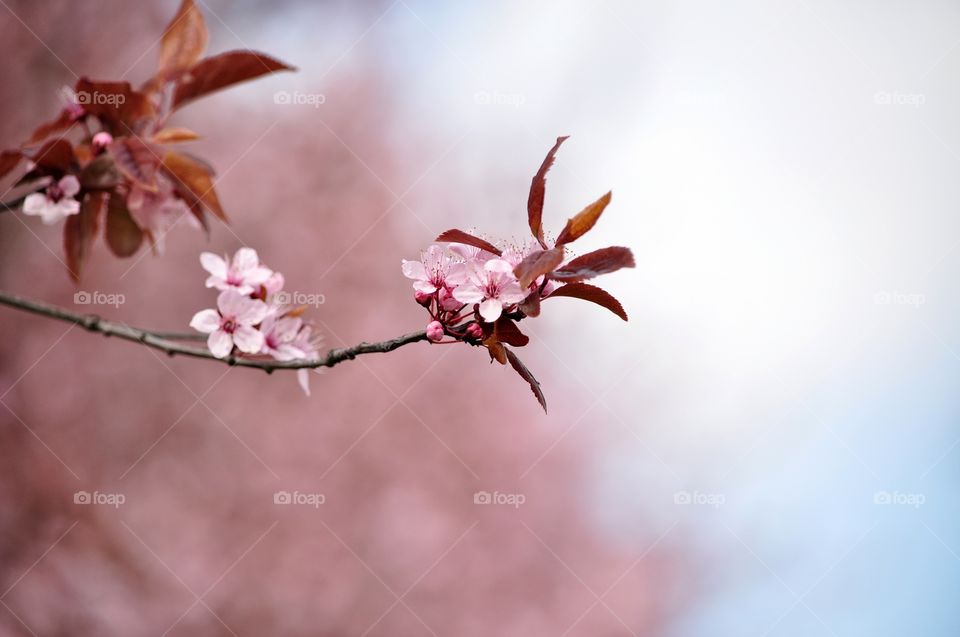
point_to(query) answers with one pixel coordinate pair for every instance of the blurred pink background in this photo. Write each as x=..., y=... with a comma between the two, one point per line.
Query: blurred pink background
x=333, y=196
x=769, y=448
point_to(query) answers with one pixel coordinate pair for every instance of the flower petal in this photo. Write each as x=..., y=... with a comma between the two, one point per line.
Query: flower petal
x=245, y=259
x=231, y=302
x=215, y=265
x=220, y=343
x=252, y=311
x=490, y=310
x=303, y=377
x=35, y=204
x=206, y=321
x=468, y=294
x=414, y=270
x=248, y=339
x=498, y=265
x=69, y=185
x=257, y=275
x=424, y=286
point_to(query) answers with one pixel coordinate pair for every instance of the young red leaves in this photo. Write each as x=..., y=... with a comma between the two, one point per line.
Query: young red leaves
x=220, y=71
x=538, y=189
x=116, y=171
x=184, y=41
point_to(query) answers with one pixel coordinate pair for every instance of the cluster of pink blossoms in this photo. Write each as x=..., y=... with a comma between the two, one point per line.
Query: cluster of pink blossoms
x=450, y=283
x=249, y=318
x=477, y=292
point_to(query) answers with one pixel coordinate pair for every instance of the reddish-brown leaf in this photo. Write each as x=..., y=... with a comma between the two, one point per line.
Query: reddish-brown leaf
x=578, y=225
x=100, y=174
x=174, y=135
x=593, y=294
x=80, y=230
x=119, y=107
x=55, y=155
x=220, y=71
x=536, y=265
x=530, y=306
x=9, y=159
x=184, y=40
x=506, y=331
x=193, y=182
x=525, y=373
x=136, y=160
x=63, y=121
x=459, y=236
x=124, y=236
x=497, y=351
x=591, y=264
x=538, y=188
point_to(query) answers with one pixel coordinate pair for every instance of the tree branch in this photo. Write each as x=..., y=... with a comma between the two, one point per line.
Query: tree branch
x=167, y=342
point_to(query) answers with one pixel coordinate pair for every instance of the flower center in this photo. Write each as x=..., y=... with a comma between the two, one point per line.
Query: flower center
x=54, y=192
x=229, y=325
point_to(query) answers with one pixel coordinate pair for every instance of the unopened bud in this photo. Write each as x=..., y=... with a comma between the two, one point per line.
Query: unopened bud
x=422, y=298
x=435, y=331
x=101, y=140
x=447, y=302
x=475, y=331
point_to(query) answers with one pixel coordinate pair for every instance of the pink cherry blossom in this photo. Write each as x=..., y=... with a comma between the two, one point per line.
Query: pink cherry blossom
x=158, y=211
x=435, y=331
x=244, y=274
x=56, y=203
x=435, y=269
x=233, y=324
x=493, y=286
x=279, y=335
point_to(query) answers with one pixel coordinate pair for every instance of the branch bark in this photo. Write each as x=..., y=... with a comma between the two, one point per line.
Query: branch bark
x=170, y=343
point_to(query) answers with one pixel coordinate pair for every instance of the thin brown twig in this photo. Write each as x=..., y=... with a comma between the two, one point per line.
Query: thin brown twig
x=168, y=341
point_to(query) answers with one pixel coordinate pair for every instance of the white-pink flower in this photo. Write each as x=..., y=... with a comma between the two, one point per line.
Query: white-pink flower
x=233, y=324
x=435, y=269
x=493, y=286
x=244, y=274
x=279, y=335
x=158, y=211
x=56, y=203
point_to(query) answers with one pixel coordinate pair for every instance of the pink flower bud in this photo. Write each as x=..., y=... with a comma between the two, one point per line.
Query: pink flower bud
x=475, y=331
x=422, y=298
x=101, y=140
x=447, y=302
x=435, y=331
